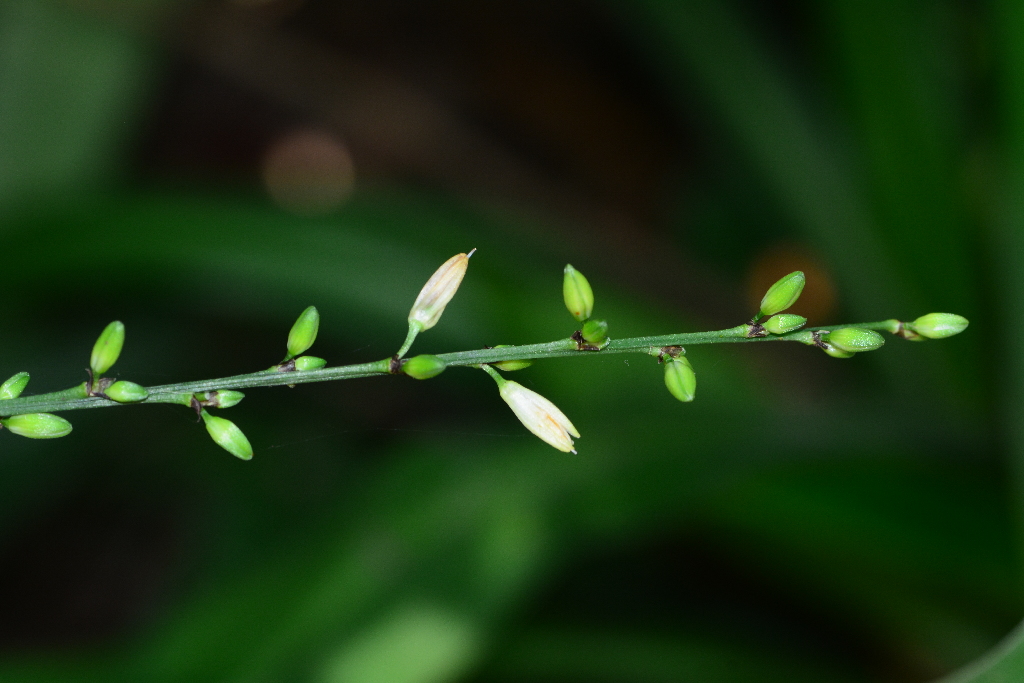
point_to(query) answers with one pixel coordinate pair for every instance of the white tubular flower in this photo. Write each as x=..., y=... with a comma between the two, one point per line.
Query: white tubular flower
x=539, y=415
x=438, y=291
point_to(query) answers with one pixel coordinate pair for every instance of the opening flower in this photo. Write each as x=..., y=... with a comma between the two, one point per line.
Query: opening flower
x=438, y=291
x=539, y=415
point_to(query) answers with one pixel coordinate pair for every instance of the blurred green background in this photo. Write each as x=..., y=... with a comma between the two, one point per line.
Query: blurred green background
x=203, y=171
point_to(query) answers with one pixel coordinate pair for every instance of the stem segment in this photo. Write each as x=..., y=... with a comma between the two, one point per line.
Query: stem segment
x=75, y=399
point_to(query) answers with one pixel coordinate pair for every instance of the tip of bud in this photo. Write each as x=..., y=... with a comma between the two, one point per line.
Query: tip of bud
x=471, y=252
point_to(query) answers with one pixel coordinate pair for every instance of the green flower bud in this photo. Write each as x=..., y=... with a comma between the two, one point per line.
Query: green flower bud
x=305, y=363
x=783, y=323
x=836, y=353
x=423, y=366
x=680, y=378
x=13, y=387
x=126, y=392
x=228, y=436
x=939, y=325
x=579, y=297
x=221, y=398
x=855, y=340
x=37, y=425
x=782, y=294
x=511, y=365
x=595, y=331
x=303, y=332
x=107, y=348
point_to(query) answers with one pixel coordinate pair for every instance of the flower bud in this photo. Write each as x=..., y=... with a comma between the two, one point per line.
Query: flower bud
x=37, y=425
x=228, y=436
x=939, y=325
x=782, y=294
x=305, y=363
x=538, y=414
x=126, y=392
x=107, y=348
x=836, y=353
x=438, y=291
x=221, y=398
x=855, y=340
x=511, y=365
x=13, y=387
x=579, y=297
x=423, y=366
x=680, y=378
x=783, y=323
x=303, y=332
x=595, y=331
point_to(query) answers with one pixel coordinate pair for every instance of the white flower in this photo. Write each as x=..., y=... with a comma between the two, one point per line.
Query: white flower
x=539, y=415
x=438, y=291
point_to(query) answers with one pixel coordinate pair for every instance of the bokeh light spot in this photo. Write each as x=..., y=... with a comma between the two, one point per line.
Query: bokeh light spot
x=309, y=172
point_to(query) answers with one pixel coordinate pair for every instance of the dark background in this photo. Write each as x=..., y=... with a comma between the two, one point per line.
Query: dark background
x=203, y=171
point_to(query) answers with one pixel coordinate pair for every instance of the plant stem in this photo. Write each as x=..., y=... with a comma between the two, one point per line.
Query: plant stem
x=74, y=398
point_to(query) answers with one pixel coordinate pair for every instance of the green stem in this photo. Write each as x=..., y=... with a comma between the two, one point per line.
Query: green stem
x=74, y=398
x=414, y=329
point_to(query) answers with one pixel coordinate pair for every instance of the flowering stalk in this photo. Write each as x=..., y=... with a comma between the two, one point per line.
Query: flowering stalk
x=75, y=399
x=30, y=416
